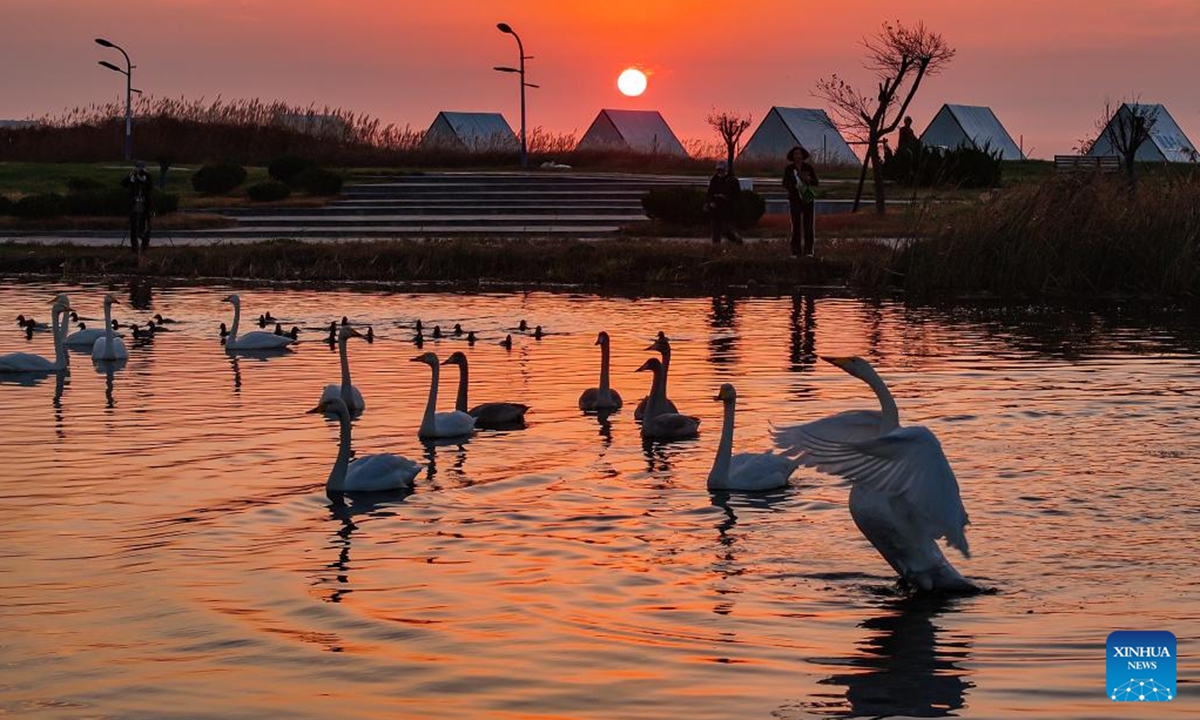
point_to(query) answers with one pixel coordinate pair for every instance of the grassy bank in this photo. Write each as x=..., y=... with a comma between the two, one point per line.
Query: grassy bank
x=1077, y=236
x=647, y=264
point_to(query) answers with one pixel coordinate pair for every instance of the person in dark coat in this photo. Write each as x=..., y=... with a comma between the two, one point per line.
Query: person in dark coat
x=141, y=203
x=721, y=203
x=799, y=179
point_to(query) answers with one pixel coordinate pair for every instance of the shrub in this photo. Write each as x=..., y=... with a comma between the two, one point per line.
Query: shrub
x=319, y=181
x=103, y=201
x=6, y=205
x=84, y=184
x=287, y=168
x=165, y=203
x=684, y=206
x=41, y=205
x=218, y=178
x=965, y=167
x=268, y=191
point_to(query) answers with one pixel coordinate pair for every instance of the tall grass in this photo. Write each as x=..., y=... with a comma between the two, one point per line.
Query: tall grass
x=1067, y=236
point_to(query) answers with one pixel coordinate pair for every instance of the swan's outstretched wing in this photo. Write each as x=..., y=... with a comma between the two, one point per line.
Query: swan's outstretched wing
x=849, y=426
x=760, y=471
x=908, y=463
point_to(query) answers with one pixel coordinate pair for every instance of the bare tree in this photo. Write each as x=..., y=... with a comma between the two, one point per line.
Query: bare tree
x=1125, y=130
x=729, y=125
x=900, y=57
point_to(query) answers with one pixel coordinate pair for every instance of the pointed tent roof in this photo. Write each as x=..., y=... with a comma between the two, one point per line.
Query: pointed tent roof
x=972, y=125
x=471, y=131
x=642, y=131
x=1166, y=143
x=784, y=128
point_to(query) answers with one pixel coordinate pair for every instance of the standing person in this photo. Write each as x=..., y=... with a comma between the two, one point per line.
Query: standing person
x=141, y=202
x=721, y=202
x=799, y=179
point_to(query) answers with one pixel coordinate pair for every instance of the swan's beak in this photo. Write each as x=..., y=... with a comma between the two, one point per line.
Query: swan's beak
x=839, y=361
x=353, y=333
x=645, y=366
x=318, y=409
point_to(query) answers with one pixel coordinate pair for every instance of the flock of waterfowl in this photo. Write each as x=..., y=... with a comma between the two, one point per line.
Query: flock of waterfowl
x=904, y=496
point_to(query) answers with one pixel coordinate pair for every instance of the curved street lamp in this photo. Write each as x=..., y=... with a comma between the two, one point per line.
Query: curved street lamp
x=520, y=71
x=128, y=73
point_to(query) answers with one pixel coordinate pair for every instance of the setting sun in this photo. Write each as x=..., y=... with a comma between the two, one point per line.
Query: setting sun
x=632, y=82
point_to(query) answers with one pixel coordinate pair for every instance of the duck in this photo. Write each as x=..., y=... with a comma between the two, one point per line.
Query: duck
x=256, y=340
x=158, y=318
x=346, y=391
x=418, y=340
x=367, y=473
x=437, y=332
x=333, y=333
x=506, y=343
x=370, y=336
x=659, y=423
x=417, y=326
x=28, y=362
x=747, y=472
x=140, y=334
x=224, y=333
x=538, y=334
x=458, y=329
x=441, y=424
x=904, y=496
x=29, y=324
x=602, y=397
x=471, y=339
x=294, y=333
x=488, y=416
x=663, y=346
x=109, y=347
x=278, y=329
x=522, y=326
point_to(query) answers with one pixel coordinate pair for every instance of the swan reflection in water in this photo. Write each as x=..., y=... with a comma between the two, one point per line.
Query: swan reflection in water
x=335, y=577
x=903, y=667
x=441, y=445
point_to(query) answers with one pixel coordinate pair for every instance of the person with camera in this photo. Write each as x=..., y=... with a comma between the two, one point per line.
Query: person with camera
x=141, y=205
x=799, y=179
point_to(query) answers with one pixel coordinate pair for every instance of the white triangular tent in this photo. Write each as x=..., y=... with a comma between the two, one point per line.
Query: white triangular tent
x=784, y=128
x=640, y=131
x=970, y=126
x=1166, y=143
x=471, y=132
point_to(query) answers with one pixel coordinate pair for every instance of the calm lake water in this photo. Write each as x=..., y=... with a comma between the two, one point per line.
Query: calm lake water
x=168, y=549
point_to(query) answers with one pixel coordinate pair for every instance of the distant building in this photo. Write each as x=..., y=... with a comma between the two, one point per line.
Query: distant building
x=16, y=124
x=639, y=131
x=470, y=132
x=784, y=128
x=1166, y=143
x=319, y=125
x=970, y=126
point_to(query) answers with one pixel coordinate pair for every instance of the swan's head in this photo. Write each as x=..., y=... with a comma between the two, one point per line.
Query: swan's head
x=602, y=338
x=348, y=332
x=852, y=364
x=237, y=301
x=727, y=394
x=654, y=365
x=110, y=300
x=456, y=358
x=332, y=405
x=61, y=298
x=430, y=359
x=661, y=344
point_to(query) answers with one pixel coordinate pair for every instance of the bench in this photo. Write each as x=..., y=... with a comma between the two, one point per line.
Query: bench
x=1087, y=163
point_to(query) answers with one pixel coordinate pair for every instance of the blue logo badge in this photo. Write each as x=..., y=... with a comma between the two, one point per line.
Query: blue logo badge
x=1141, y=666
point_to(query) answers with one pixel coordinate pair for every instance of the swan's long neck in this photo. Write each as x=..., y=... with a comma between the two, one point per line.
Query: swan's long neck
x=460, y=403
x=237, y=317
x=427, y=422
x=666, y=356
x=108, y=331
x=720, y=469
x=887, y=403
x=58, y=325
x=657, y=394
x=337, y=476
x=342, y=340
x=603, y=368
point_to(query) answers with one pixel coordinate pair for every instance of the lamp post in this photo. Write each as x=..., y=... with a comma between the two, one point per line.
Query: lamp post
x=520, y=71
x=128, y=73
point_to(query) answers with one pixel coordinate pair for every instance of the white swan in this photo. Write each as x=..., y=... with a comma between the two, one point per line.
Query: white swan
x=110, y=346
x=603, y=397
x=256, y=340
x=29, y=363
x=445, y=424
x=346, y=391
x=85, y=337
x=659, y=422
x=369, y=473
x=488, y=416
x=752, y=472
x=903, y=495
x=663, y=345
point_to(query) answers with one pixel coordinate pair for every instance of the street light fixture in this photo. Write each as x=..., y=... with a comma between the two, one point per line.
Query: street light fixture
x=520, y=70
x=128, y=73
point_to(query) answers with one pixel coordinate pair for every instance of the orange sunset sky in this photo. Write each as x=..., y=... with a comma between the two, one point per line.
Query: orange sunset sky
x=1045, y=66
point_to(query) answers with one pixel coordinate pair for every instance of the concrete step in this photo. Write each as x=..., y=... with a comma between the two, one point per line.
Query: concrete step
x=460, y=220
